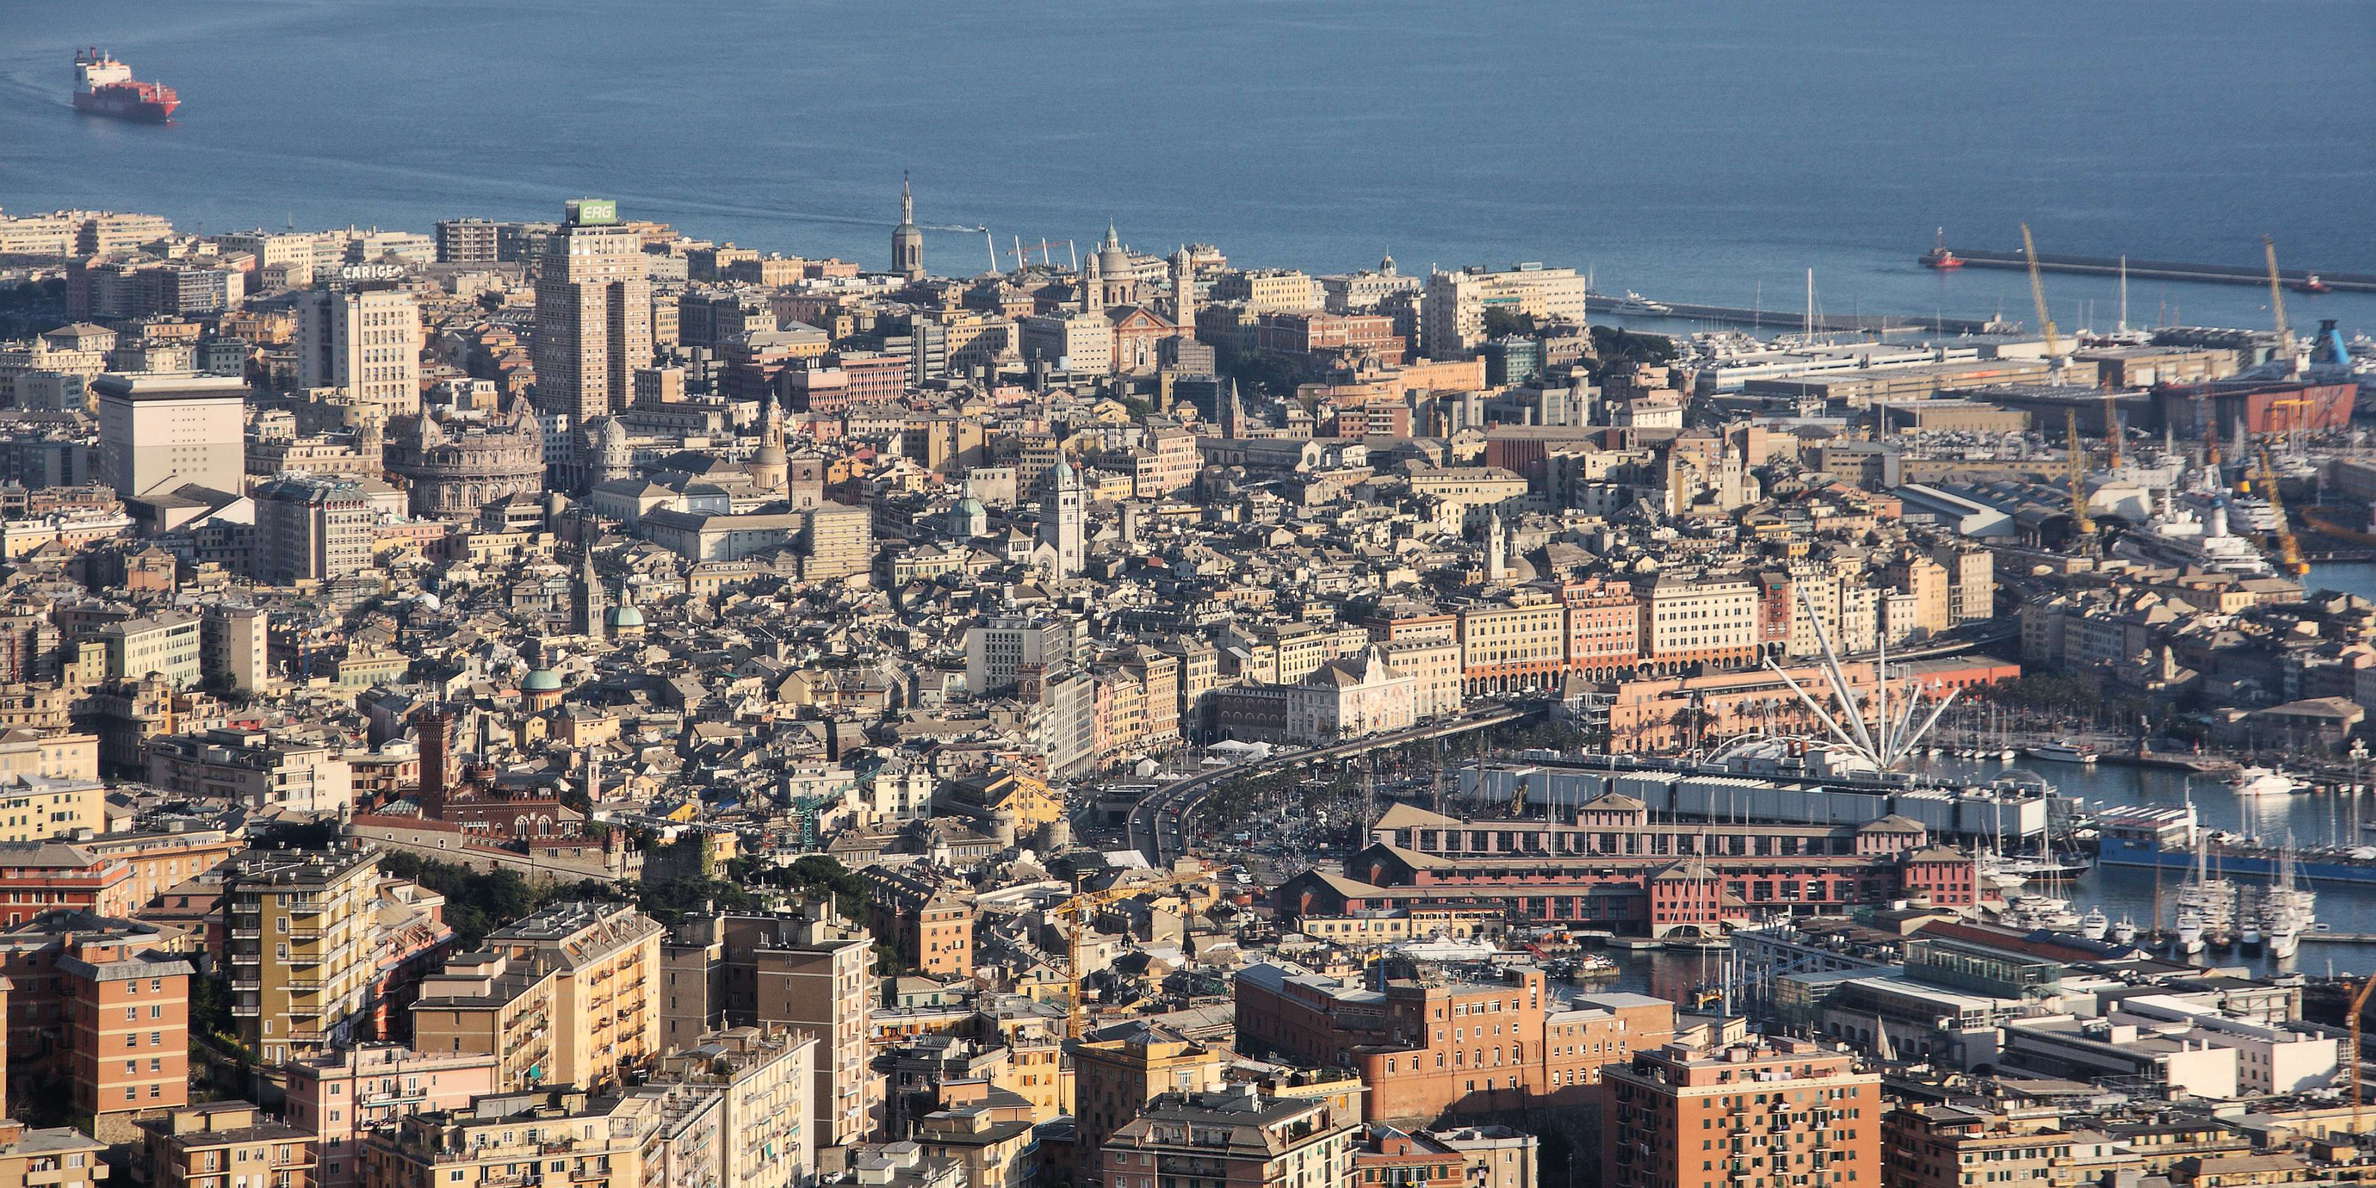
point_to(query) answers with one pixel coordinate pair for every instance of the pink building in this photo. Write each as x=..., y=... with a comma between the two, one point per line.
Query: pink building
x=338, y=1094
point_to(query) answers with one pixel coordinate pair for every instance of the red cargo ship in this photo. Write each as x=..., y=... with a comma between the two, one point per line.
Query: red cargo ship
x=104, y=86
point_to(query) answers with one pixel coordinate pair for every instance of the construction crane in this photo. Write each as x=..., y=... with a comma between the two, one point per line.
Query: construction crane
x=2082, y=525
x=1076, y=910
x=2284, y=354
x=2358, y=1001
x=2289, y=550
x=2029, y=253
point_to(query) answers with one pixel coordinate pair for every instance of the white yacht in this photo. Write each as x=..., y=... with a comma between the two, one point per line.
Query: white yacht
x=2095, y=924
x=2124, y=932
x=2190, y=933
x=2263, y=781
x=1635, y=303
x=2060, y=753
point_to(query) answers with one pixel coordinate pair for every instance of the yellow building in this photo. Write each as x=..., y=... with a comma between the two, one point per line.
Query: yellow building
x=303, y=927
x=568, y=996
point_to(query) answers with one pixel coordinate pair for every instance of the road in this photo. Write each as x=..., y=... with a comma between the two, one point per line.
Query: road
x=1160, y=824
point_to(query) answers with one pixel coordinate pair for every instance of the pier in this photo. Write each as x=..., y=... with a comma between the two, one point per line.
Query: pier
x=2218, y=274
x=1784, y=321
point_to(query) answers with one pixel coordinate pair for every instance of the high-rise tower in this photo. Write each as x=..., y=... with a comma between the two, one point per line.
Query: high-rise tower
x=593, y=313
x=907, y=239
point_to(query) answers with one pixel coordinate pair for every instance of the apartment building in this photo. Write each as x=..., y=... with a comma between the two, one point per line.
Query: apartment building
x=605, y=959
x=254, y=769
x=1234, y=1136
x=924, y=911
x=550, y=1138
x=301, y=931
x=127, y=1030
x=811, y=972
x=1452, y=305
x=1762, y=1113
x=224, y=1144
x=49, y=1157
x=761, y=1078
x=340, y=1094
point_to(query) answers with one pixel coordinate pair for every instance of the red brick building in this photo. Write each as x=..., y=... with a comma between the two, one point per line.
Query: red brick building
x=1428, y=1049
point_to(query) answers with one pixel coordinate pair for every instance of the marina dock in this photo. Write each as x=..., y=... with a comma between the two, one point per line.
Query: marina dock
x=2222, y=274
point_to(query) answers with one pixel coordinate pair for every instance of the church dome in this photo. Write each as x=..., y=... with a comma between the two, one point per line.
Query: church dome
x=543, y=680
x=626, y=616
x=970, y=506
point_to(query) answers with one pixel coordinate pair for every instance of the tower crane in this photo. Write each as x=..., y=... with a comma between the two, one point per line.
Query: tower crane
x=2289, y=550
x=2284, y=357
x=1076, y=910
x=2029, y=253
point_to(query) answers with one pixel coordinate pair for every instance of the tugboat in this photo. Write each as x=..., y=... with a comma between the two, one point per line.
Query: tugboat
x=2313, y=283
x=105, y=87
x=1939, y=257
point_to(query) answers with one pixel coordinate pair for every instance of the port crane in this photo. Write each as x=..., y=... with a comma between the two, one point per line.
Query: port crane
x=2054, y=355
x=2289, y=550
x=2083, y=526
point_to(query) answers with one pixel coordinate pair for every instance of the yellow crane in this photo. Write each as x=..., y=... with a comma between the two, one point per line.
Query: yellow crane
x=2358, y=1001
x=2082, y=524
x=2277, y=306
x=1076, y=911
x=2029, y=253
x=2289, y=550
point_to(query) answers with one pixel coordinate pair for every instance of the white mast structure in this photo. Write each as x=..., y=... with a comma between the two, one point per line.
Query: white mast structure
x=1890, y=737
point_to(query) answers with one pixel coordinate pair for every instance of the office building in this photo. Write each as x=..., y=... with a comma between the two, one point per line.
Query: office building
x=593, y=313
x=366, y=341
x=164, y=430
x=311, y=529
x=1779, y=1113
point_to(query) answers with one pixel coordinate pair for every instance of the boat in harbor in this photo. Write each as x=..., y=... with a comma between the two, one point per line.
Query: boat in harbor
x=1939, y=257
x=2095, y=925
x=2190, y=933
x=1635, y=303
x=2060, y=753
x=2124, y=932
x=2262, y=781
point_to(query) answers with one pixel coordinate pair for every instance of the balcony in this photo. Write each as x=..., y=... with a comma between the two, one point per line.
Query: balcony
x=247, y=984
x=307, y=933
x=245, y=1010
x=307, y=907
x=303, y=985
x=247, y=934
